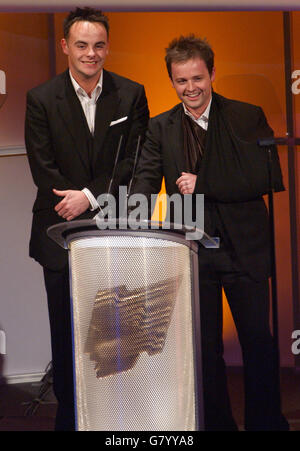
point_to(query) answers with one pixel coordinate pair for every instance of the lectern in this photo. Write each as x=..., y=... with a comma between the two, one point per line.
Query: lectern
x=136, y=327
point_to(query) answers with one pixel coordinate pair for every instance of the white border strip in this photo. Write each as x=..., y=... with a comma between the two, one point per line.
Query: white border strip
x=22, y=378
x=12, y=150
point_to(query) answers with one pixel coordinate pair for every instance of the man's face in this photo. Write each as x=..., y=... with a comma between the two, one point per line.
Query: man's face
x=87, y=48
x=193, y=84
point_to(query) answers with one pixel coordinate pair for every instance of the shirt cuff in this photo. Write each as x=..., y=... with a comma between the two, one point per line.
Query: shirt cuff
x=93, y=203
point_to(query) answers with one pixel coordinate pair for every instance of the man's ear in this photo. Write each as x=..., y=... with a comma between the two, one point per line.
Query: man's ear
x=213, y=74
x=64, y=46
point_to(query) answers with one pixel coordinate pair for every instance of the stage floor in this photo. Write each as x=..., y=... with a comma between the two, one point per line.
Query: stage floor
x=19, y=412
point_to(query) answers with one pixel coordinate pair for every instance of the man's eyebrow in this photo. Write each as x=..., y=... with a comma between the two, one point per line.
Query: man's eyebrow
x=194, y=76
x=83, y=42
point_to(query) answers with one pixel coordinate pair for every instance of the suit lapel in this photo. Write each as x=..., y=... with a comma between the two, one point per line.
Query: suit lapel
x=107, y=105
x=73, y=117
x=175, y=139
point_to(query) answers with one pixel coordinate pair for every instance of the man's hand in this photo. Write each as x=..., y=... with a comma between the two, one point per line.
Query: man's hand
x=186, y=183
x=73, y=204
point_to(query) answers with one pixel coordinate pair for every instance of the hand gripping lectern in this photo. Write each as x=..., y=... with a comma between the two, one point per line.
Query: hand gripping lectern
x=136, y=327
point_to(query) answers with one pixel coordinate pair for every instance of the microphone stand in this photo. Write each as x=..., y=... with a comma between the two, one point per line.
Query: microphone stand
x=101, y=214
x=113, y=176
x=115, y=165
x=267, y=143
x=125, y=206
x=273, y=260
x=134, y=165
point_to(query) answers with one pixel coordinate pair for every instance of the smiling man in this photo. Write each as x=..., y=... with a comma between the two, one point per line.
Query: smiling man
x=86, y=45
x=73, y=127
x=207, y=145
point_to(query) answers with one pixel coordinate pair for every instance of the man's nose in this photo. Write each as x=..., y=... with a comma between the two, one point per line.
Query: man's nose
x=190, y=85
x=90, y=51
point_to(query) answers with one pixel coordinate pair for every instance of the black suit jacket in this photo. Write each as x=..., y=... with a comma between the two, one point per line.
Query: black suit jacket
x=243, y=212
x=56, y=135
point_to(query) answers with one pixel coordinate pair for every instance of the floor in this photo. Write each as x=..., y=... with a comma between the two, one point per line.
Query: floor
x=290, y=390
x=32, y=406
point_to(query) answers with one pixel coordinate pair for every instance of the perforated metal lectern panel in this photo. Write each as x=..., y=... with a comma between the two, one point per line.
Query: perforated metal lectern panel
x=133, y=338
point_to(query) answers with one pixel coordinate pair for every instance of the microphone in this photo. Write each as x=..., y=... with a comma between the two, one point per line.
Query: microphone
x=134, y=165
x=115, y=165
x=101, y=214
x=278, y=141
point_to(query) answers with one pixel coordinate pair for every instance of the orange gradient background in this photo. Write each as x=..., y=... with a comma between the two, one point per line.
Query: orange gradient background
x=249, y=60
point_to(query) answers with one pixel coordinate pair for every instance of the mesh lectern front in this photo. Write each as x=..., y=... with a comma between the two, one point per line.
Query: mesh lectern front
x=136, y=365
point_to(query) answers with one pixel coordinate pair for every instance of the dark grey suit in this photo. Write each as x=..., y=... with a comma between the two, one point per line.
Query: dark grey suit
x=233, y=181
x=242, y=208
x=63, y=155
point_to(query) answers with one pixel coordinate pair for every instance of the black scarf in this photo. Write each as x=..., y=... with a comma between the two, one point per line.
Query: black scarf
x=233, y=170
x=193, y=143
x=194, y=137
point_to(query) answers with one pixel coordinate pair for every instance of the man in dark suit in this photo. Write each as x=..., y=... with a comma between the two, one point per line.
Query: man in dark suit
x=208, y=144
x=73, y=127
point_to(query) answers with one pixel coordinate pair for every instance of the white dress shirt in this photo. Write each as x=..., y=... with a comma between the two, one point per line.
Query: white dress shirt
x=89, y=104
x=203, y=119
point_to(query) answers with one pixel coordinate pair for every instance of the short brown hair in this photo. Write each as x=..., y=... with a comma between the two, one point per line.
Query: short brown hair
x=187, y=47
x=84, y=14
